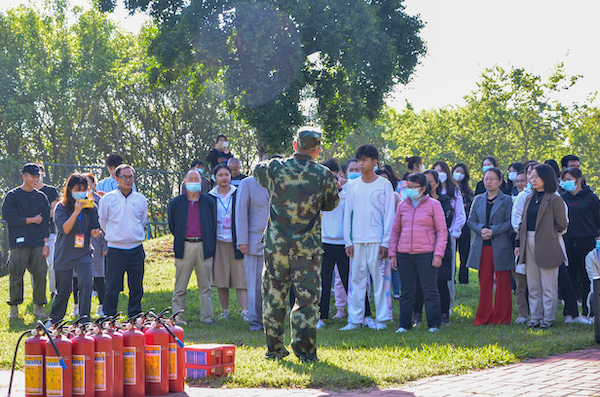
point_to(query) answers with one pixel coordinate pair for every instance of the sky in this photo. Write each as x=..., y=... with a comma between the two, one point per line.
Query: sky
x=464, y=37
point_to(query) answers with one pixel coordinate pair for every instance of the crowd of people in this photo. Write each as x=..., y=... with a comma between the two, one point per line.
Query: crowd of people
x=297, y=230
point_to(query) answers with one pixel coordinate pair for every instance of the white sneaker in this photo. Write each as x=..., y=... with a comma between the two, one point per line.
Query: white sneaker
x=100, y=311
x=320, y=324
x=522, y=320
x=380, y=325
x=75, y=311
x=577, y=320
x=350, y=327
x=432, y=330
x=369, y=322
x=401, y=330
x=246, y=315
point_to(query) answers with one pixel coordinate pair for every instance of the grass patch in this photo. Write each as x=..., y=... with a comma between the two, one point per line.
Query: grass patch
x=349, y=360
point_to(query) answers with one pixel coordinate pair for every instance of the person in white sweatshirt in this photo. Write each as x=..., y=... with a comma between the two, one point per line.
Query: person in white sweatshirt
x=368, y=219
x=123, y=215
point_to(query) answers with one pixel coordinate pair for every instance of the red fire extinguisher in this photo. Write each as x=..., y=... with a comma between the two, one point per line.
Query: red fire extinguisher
x=157, y=360
x=103, y=364
x=117, y=341
x=176, y=359
x=58, y=373
x=134, y=381
x=35, y=350
x=83, y=364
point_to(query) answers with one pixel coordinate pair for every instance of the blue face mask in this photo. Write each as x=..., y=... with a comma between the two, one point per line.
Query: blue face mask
x=412, y=193
x=201, y=171
x=569, y=186
x=79, y=195
x=375, y=168
x=353, y=175
x=529, y=185
x=193, y=187
x=213, y=178
x=485, y=168
x=598, y=245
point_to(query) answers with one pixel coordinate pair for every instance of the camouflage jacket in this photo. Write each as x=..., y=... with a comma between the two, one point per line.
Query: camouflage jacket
x=300, y=189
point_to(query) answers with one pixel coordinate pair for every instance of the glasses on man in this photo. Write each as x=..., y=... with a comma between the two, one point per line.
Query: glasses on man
x=126, y=177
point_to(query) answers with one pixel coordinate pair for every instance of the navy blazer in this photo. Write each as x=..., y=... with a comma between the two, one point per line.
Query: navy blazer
x=178, y=217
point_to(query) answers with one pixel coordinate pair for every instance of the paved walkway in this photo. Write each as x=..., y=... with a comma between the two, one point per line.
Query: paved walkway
x=570, y=374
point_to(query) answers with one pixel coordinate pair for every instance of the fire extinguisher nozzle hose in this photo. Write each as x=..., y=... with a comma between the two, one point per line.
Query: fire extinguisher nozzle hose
x=12, y=372
x=62, y=362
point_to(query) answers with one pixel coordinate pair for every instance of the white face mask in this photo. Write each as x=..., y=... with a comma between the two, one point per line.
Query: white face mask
x=443, y=176
x=458, y=176
x=513, y=176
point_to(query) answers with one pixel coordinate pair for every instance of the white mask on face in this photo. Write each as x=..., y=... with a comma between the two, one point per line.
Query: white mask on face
x=513, y=176
x=458, y=176
x=443, y=176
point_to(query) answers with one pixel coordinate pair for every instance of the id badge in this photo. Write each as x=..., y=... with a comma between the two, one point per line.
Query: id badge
x=226, y=222
x=79, y=240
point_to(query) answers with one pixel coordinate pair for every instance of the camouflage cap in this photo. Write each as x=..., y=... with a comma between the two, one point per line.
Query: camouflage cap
x=309, y=138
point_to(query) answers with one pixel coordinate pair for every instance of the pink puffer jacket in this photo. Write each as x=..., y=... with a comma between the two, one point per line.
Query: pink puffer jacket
x=419, y=230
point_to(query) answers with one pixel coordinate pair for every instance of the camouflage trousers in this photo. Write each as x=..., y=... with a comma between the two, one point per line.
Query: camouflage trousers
x=282, y=272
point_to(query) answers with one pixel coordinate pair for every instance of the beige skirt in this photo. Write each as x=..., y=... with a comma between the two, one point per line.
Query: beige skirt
x=228, y=272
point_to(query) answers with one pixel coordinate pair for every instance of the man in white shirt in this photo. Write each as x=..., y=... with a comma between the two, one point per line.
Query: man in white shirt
x=368, y=219
x=123, y=215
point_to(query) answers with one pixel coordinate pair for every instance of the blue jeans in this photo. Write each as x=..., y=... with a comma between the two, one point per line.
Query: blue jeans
x=409, y=266
x=119, y=261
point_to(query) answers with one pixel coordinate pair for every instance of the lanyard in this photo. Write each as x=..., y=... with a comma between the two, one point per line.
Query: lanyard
x=228, y=204
x=79, y=219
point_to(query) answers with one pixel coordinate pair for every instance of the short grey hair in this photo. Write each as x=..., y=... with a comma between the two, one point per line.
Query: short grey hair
x=234, y=161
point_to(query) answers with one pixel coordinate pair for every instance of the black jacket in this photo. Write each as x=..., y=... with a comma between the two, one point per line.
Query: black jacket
x=19, y=205
x=445, y=271
x=584, y=214
x=178, y=216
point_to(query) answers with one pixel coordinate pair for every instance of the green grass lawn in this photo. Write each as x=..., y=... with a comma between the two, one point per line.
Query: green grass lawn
x=349, y=360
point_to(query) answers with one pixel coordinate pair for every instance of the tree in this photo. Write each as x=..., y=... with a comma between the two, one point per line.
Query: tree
x=512, y=116
x=350, y=53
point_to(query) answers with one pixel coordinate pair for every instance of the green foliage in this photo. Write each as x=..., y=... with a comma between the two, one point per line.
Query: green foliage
x=350, y=53
x=513, y=116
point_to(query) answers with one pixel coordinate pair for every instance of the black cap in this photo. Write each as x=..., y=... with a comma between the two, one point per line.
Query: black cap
x=31, y=169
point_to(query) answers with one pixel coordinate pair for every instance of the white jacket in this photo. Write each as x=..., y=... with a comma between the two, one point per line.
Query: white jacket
x=123, y=219
x=332, y=222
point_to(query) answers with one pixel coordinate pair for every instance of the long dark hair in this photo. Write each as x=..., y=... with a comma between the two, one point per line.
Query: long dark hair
x=465, y=188
x=74, y=179
x=450, y=186
x=436, y=177
x=385, y=171
x=546, y=174
x=394, y=178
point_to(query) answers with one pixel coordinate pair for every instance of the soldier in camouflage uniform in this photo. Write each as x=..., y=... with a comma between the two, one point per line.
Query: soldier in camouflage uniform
x=300, y=189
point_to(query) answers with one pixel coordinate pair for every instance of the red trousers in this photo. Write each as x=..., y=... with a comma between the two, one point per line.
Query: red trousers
x=498, y=311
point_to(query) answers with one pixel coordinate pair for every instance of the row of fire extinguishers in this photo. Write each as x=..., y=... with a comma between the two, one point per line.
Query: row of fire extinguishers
x=142, y=356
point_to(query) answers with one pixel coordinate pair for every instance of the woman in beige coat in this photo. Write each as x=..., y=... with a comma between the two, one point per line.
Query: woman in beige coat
x=538, y=245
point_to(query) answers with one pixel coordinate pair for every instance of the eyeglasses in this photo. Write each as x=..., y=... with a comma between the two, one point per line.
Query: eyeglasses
x=126, y=177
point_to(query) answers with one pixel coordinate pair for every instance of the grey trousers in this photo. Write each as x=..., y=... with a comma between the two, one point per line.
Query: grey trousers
x=193, y=259
x=543, y=286
x=254, y=265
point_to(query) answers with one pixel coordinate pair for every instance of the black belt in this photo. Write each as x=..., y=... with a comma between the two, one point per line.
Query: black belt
x=193, y=239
